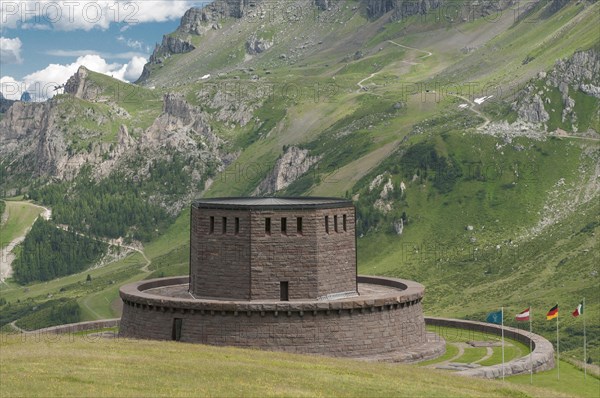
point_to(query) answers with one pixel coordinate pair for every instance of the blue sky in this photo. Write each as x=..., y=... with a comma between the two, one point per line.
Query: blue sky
x=42, y=43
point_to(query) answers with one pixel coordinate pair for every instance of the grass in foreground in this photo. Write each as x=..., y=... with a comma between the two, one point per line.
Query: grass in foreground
x=84, y=366
x=571, y=381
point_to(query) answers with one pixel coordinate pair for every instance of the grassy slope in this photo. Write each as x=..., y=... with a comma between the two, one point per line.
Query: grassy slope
x=21, y=216
x=449, y=292
x=132, y=368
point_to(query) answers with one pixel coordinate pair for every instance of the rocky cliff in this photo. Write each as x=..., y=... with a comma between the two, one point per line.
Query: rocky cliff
x=554, y=92
x=5, y=103
x=196, y=21
x=44, y=140
x=293, y=164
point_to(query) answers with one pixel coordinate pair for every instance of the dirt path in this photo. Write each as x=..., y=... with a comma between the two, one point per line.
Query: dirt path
x=461, y=351
x=7, y=257
x=427, y=53
x=475, y=110
x=360, y=83
x=488, y=354
x=13, y=325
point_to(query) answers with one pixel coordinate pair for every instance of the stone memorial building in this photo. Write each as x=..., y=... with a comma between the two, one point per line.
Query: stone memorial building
x=279, y=274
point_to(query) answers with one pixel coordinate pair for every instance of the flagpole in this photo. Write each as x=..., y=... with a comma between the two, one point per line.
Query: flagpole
x=530, y=348
x=502, y=343
x=584, y=341
x=557, y=345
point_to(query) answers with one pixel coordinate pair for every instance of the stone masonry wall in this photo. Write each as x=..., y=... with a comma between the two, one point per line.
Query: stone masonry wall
x=336, y=251
x=251, y=264
x=220, y=262
x=341, y=333
x=355, y=327
x=279, y=256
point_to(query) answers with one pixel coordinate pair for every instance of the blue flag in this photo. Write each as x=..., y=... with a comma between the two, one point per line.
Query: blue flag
x=494, y=317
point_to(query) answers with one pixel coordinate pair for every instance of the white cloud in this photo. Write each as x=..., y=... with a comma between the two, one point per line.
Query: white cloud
x=135, y=44
x=87, y=15
x=10, y=88
x=35, y=26
x=82, y=53
x=10, y=51
x=41, y=84
x=134, y=69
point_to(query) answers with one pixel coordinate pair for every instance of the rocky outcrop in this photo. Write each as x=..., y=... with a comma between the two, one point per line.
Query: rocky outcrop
x=195, y=21
x=404, y=8
x=400, y=8
x=79, y=86
x=578, y=73
x=256, y=45
x=35, y=138
x=581, y=71
x=5, y=103
x=398, y=226
x=180, y=126
x=532, y=110
x=293, y=164
x=322, y=4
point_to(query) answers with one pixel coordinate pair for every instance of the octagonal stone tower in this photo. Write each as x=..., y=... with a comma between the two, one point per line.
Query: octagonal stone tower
x=273, y=249
x=280, y=274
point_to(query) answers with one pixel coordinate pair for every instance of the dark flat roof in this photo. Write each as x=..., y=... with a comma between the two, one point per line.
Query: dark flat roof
x=272, y=203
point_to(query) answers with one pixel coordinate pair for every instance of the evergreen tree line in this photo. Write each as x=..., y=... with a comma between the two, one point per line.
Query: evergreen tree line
x=117, y=206
x=2, y=208
x=49, y=252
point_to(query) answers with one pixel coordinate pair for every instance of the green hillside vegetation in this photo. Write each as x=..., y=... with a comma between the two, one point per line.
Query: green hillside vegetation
x=49, y=252
x=490, y=220
x=132, y=368
x=19, y=217
x=118, y=204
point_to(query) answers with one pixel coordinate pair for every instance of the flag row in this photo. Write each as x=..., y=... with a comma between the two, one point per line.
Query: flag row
x=497, y=317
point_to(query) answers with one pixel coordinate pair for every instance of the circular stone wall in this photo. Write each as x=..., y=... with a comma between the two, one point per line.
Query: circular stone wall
x=386, y=317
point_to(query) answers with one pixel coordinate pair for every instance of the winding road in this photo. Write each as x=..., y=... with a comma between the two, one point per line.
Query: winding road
x=360, y=85
x=473, y=109
x=7, y=257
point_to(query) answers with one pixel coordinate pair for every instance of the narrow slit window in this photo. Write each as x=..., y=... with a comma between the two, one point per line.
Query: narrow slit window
x=284, y=294
x=327, y=224
x=299, y=225
x=237, y=225
x=268, y=226
x=224, y=225
x=335, y=228
x=211, y=228
x=284, y=225
x=177, y=326
x=344, y=222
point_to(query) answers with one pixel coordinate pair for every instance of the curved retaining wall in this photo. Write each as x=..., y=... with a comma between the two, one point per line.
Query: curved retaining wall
x=352, y=327
x=542, y=355
x=72, y=328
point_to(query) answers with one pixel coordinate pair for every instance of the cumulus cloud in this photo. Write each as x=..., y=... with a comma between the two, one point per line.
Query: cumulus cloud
x=87, y=15
x=10, y=51
x=81, y=53
x=41, y=84
x=11, y=88
x=134, y=69
x=135, y=44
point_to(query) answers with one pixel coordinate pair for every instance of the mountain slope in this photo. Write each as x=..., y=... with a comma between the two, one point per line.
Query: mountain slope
x=469, y=143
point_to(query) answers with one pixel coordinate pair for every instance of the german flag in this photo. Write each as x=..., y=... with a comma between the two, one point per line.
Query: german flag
x=553, y=313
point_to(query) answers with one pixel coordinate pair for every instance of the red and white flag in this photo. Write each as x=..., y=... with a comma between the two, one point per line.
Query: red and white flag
x=523, y=316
